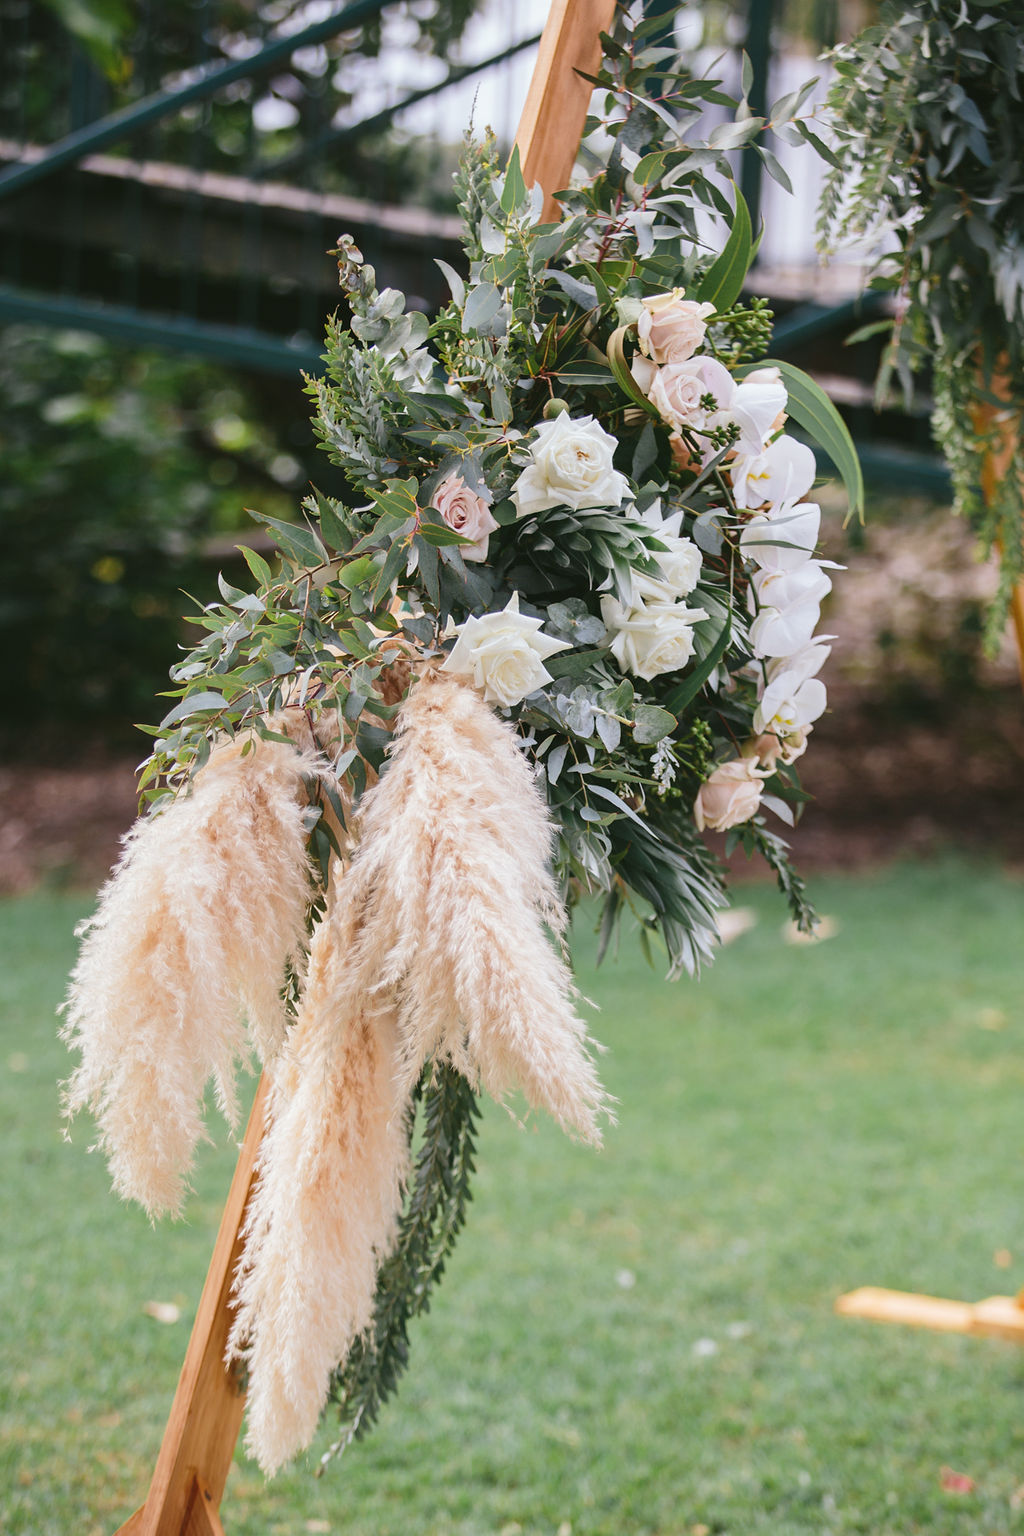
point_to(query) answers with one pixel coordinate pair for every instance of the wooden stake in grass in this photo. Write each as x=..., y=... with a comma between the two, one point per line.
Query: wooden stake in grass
x=206, y=1415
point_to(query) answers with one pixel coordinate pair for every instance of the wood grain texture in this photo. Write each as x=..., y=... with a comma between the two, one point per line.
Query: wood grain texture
x=556, y=103
x=999, y=1317
x=206, y=1414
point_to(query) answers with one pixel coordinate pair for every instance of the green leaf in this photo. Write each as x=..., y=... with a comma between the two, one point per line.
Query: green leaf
x=481, y=307
x=722, y=283
x=301, y=543
x=514, y=191
x=195, y=704
x=572, y=663
x=331, y=525
x=357, y=573
x=811, y=408
x=394, y=564
x=256, y=563
x=650, y=168
x=620, y=368
x=454, y=281
x=439, y=534
x=650, y=724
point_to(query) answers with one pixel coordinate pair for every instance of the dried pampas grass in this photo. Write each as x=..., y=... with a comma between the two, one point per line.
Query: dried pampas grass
x=434, y=946
x=326, y=1204
x=203, y=914
x=452, y=875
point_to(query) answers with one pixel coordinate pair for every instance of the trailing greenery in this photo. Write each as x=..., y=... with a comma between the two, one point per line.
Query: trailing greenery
x=928, y=115
x=434, y=1214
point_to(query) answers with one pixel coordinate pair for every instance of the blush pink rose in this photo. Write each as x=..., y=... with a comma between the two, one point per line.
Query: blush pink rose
x=671, y=328
x=731, y=795
x=467, y=513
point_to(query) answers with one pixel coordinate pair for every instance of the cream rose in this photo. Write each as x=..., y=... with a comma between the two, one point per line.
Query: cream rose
x=650, y=640
x=680, y=562
x=783, y=472
x=571, y=467
x=503, y=654
x=670, y=328
x=730, y=795
x=678, y=391
x=467, y=513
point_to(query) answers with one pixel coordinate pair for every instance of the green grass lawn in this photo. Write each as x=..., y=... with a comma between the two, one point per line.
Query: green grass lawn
x=636, y=1341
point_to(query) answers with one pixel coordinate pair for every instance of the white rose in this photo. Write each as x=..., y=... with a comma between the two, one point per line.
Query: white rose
x=651, y=640
x=680, y=566
x=572, y=467
x=678, y=390
x=680, y=562
x=783, y=472
x=730, y=795
x=467, y=513
x=757, y=404
x=790, y=704
x=671, y=328
x=783, y=538
x=503, y=653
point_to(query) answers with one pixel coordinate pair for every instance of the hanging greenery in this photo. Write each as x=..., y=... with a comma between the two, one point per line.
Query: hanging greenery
x=929, y=120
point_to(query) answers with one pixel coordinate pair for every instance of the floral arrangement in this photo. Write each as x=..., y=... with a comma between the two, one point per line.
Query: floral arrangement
x=565, y=625
x=927, y=116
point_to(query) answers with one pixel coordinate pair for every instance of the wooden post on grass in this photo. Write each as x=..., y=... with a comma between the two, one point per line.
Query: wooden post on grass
x=206, y=1415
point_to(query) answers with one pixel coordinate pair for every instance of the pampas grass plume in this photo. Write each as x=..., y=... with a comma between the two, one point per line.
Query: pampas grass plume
x=434, y=945
x=203, y=914
x=326, y=1204
x=453, y=867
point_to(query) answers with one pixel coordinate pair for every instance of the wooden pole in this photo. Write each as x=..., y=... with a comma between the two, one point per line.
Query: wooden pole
x=206, y=1415
x=551, y=126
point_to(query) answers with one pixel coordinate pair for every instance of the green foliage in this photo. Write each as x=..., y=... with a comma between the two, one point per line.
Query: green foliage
x=116, y=467
x=540, y=322
x=929, y=120
x=103, y=27
x=434, y=1214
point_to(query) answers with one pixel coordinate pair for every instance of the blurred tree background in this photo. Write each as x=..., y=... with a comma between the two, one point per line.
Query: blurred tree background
x=124, y=474
x=125, y=471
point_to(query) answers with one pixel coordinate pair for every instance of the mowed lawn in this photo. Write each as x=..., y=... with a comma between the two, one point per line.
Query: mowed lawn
x=636, y=1341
